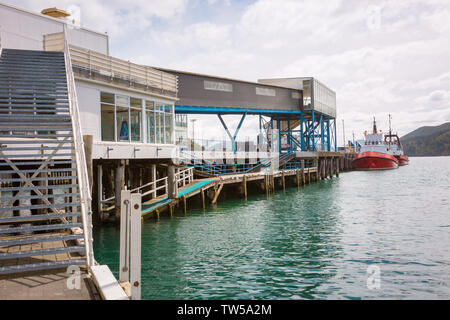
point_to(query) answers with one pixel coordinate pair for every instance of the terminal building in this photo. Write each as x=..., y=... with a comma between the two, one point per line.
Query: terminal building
x=76, y=119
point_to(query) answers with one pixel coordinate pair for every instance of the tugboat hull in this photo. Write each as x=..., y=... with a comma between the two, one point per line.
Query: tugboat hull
x=403, y=160
x=372, y=160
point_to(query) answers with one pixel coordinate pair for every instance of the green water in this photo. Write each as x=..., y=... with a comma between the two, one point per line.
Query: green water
x=313, y=244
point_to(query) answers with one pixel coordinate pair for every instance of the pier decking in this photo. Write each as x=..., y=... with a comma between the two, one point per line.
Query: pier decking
x=47, y=285
x=185, y=192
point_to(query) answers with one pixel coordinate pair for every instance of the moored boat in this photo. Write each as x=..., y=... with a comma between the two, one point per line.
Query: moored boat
x=372, y=160
x=376, y=153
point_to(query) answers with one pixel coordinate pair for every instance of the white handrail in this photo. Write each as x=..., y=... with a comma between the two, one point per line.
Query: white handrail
x=186, y=175
x=82, y=172
x=114, y=67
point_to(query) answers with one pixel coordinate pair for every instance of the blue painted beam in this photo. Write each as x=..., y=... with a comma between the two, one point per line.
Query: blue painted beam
x=225, y=110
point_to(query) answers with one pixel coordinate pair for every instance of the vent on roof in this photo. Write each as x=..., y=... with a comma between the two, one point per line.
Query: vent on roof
x=55, y=13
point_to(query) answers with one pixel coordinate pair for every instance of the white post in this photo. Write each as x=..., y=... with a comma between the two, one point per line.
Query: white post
x=153, y=174
x=124, y=270
x=100, y=189
x=135, y=233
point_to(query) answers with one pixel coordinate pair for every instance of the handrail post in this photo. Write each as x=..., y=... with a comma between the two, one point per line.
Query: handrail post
x=130, y=242
x=82, y=173
x=135, y=246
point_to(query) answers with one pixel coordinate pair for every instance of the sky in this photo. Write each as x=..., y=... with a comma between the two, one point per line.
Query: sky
x=380, y=56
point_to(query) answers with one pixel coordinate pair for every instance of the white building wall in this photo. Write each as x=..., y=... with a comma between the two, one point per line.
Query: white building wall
x=89, y=106
x=88, y=95
x=22, y=29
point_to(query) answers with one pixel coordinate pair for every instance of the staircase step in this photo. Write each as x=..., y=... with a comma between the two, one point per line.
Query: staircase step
x=38, y=217
x=41, y=266
x=38, y=239
x=63, y=186
x=33, y=99
x=36, y=141
x=32, y=85
x=27, y=117
x=38, y=179
x=14, y=107
x=21, y=126
x=8, y=148
x=41, y=206
x=45, y=196
x=60, y=128
x=41, y=252
x=36, y=111
x=40, y=171
x=36, y=136
x=41, y=228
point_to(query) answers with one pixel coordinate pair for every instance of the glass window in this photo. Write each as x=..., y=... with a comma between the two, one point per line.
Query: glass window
x=159, y=124
x=122, y=100
x=107, y=118
x=159, y=119
x=122, y=119
x=135, y=119
x=107, y=97
x=123, y=123
x=150, y=120
x=168, y=125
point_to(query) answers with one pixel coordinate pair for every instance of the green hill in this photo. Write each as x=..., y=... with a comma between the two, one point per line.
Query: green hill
x=428, y=141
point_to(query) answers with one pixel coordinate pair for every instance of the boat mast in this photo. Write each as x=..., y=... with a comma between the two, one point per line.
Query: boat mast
x=374, y=126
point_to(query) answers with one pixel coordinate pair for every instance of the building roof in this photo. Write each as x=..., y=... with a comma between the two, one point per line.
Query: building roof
x=49, y=17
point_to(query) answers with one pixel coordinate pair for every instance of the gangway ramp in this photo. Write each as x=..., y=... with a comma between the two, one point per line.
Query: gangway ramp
x=187, y=191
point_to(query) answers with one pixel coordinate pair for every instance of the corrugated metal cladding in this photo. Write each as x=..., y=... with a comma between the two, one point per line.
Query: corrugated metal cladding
x=205, y=91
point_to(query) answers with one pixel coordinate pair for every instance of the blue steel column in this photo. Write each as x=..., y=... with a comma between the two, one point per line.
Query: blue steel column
x=313, y=131
x=328, y=135
x=322, y=131
x=335, y=137
x=233, y=138
x=302, y=136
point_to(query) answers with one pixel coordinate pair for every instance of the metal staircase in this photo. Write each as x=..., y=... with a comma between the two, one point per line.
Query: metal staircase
x=44, y=194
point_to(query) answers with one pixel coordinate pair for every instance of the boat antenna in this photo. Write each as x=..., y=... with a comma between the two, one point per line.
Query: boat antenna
x=374, y=126
x=390, y=130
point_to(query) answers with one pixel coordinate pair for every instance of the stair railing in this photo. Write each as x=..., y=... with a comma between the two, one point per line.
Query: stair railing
x=82, y=172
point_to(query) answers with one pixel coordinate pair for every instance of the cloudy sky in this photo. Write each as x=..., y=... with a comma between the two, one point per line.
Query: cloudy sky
x=380, y=57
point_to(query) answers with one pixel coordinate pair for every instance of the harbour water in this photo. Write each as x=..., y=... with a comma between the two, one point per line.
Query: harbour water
x=364, y=235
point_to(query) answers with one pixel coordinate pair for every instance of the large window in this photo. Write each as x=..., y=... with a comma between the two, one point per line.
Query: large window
x=150, y=120
x=123, y=119
x=107, y=114
x=135, y=118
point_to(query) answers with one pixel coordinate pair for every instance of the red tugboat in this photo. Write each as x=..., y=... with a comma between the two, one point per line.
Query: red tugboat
x=374, y=153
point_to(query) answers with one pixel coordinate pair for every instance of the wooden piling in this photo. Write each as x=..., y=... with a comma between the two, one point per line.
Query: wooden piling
x=216, y=196
x=119, y=183
x=303, y=171
x=337, y=166
x=245, y=186
x=100, y=191
x=203, y=199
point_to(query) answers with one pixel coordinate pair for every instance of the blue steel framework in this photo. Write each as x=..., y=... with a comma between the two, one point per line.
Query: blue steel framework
x=315, y=131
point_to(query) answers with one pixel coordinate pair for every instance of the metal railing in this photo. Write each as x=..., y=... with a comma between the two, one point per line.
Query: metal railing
x=126, y=70
x=183, y=178
x=111, y=67
x=82, y=172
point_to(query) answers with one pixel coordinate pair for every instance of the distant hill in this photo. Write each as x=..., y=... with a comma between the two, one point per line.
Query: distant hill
x=428, y=141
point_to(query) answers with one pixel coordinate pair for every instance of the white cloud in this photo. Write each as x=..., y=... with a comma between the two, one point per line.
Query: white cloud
x=400, y=66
